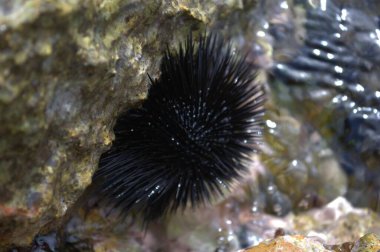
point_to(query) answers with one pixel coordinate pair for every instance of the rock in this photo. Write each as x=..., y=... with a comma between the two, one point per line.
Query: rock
x=368, y=243
x=287, y=243
x=228, y=226
x=298, y=156
x=336, y=223
x=298, y=243
x=329, y=77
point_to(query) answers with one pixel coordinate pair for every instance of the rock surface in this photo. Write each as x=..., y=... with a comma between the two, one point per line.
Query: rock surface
x=331, y=68
x=287, y=243
x=298, y=243
x=228, y=226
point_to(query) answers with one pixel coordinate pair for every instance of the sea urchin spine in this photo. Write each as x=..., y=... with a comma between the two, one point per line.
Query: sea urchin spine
x=193, y=135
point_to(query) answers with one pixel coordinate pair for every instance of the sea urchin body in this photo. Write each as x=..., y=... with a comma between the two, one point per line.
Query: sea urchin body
x=193, y=135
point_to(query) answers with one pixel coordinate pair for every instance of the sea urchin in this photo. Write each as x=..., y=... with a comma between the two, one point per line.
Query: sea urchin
x=193, y=135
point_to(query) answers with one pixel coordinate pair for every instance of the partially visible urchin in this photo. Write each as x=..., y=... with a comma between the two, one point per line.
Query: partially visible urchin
x=191, y=137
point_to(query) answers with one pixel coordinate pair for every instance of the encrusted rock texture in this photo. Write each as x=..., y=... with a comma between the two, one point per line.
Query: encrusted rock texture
x=298, y=243
x=68, y=67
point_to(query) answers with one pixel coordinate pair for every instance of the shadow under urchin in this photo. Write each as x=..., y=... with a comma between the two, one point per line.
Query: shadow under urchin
x=192, y=136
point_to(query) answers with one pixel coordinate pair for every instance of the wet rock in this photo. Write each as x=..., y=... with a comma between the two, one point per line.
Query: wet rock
x=332, y=74
x=368, y=243
x=336, y=223
x=227, y=226
x=289, y=244
x=302, y=166
x=45, y=243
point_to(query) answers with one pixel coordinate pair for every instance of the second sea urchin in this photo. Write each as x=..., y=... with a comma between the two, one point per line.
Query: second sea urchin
x=191, y=137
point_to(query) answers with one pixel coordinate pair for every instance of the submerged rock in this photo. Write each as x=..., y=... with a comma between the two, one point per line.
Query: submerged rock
x=228, y=226
x=330, y=78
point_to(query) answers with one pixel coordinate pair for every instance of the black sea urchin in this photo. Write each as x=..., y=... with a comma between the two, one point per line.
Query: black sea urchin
x=192, y=135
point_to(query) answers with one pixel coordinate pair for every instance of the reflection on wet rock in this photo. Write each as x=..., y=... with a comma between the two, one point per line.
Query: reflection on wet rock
x=300, y=162
x=338, y=52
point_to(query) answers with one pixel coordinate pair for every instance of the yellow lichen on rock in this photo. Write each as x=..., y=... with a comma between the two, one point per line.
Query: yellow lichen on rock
x=296, y=243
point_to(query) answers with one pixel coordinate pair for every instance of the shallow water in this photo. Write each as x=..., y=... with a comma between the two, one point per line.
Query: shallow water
x=324, y=71
x=320, y=60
